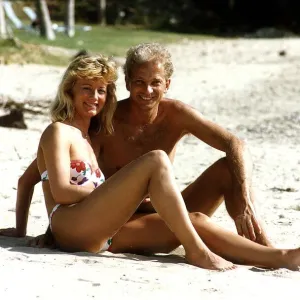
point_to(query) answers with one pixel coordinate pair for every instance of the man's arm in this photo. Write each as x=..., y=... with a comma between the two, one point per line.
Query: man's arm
x=25, y=190
x=238, y=158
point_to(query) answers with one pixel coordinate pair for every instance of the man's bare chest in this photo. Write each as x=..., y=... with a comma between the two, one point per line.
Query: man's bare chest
x=127, y=144
x=143, y=137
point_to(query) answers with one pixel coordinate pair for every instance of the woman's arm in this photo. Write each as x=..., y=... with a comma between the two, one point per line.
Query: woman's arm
x=55, y=145
x=25, y=190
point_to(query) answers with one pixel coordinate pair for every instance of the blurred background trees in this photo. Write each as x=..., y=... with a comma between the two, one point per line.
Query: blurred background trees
x=199, y=16
x=3, y=30
x=112, y=26
x=70, y=18
x=102, y=12
x=187, y=15
x=44, y=21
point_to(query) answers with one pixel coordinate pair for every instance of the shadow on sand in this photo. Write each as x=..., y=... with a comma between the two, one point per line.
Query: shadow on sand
x=21, y=245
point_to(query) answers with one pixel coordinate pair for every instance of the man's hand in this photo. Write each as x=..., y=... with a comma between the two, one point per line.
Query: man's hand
x=247, y=224
x=11, y=232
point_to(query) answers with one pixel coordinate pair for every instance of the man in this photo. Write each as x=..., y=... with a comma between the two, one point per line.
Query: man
x=147, y=121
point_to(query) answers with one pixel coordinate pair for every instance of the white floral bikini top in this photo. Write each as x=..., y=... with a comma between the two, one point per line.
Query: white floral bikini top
x=81, y=173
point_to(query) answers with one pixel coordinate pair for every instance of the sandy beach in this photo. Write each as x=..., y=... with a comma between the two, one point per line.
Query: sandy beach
x=244, y=85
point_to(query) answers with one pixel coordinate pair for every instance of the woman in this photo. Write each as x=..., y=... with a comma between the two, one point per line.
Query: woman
x=84, y=211
x=88, y=214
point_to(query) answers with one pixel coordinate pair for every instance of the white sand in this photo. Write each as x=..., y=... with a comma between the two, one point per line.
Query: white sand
x=245, y=86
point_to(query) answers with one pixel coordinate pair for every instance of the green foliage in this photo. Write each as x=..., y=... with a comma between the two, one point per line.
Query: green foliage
x=111, y=41
x=185, y=15
x=107, y=40
x=15, y=51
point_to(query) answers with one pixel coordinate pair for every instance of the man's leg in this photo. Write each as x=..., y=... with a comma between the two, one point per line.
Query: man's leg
x=208, y=191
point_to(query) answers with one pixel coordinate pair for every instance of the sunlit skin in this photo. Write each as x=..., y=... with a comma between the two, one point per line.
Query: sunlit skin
x=109, y=202
x=144, y=122
x=147, y=86
x=147, y=121
x=89, y=98
x=141, y=122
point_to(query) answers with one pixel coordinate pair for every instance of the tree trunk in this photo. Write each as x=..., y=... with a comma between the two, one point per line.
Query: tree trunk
x=231, y=4
x=102, y=12
x=46, y=29
x=70, y=18
x=3, y=29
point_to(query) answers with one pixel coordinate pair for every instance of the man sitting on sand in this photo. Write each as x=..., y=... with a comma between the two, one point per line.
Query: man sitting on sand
x=148, y=121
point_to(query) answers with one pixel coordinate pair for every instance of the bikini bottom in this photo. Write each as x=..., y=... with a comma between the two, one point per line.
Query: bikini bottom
x=105, y=247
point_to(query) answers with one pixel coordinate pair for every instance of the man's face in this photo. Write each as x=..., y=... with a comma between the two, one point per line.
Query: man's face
x=147, y=85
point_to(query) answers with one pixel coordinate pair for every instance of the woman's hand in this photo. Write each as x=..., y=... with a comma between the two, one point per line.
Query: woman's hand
x=11, y=232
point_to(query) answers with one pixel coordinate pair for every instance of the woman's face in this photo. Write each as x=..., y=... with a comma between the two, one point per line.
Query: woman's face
x=89, y=96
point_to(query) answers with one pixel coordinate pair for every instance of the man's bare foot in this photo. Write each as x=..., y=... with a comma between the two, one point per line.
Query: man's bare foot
x=210, y=261
x=292, y=259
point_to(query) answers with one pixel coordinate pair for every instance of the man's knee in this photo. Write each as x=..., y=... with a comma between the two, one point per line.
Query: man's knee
x=223, y=164
x=224, y=172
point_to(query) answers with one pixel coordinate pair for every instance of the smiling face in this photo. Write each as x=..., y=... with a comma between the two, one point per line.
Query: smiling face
x=147, y=84
x=89, y=97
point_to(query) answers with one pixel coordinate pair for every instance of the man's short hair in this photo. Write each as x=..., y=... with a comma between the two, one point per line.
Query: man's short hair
x=148, y=52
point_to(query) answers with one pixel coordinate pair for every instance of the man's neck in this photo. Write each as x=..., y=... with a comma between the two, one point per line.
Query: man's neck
x=142, y=117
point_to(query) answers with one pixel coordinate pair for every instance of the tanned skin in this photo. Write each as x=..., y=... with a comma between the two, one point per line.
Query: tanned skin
x=148, y=121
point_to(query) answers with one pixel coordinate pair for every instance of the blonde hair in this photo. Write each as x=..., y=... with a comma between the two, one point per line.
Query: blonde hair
x=147, y=52
x=87, y=67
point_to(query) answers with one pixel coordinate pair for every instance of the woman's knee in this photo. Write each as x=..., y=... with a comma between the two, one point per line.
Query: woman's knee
x=158, y=158
x=198, y=217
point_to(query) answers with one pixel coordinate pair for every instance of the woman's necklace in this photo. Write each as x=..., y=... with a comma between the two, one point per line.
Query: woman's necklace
x=84, y=135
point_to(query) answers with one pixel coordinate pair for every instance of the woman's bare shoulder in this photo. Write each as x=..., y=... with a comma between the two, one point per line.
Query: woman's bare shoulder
x=55, y=130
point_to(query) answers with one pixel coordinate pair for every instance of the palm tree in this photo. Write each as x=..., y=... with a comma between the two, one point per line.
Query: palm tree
x=46, y=29
x=70, y=18
x=102, y=12
x=3, y=30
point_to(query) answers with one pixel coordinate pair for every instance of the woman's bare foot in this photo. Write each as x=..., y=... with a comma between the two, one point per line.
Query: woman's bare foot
x=292, y=259
x=209, y=260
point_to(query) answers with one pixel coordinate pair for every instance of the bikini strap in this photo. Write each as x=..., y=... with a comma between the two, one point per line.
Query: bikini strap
x=44, y=176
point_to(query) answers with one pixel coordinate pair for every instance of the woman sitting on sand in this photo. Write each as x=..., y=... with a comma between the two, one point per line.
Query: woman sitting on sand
x=87, y=213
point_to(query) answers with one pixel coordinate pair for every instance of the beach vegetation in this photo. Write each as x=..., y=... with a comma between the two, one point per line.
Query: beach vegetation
x=109, y=40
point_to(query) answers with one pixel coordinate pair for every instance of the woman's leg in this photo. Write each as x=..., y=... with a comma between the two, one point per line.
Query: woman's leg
x=87, y=224
x=148, y=231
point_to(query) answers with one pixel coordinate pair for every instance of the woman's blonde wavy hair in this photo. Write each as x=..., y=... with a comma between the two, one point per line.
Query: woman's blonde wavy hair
x=87, y=67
